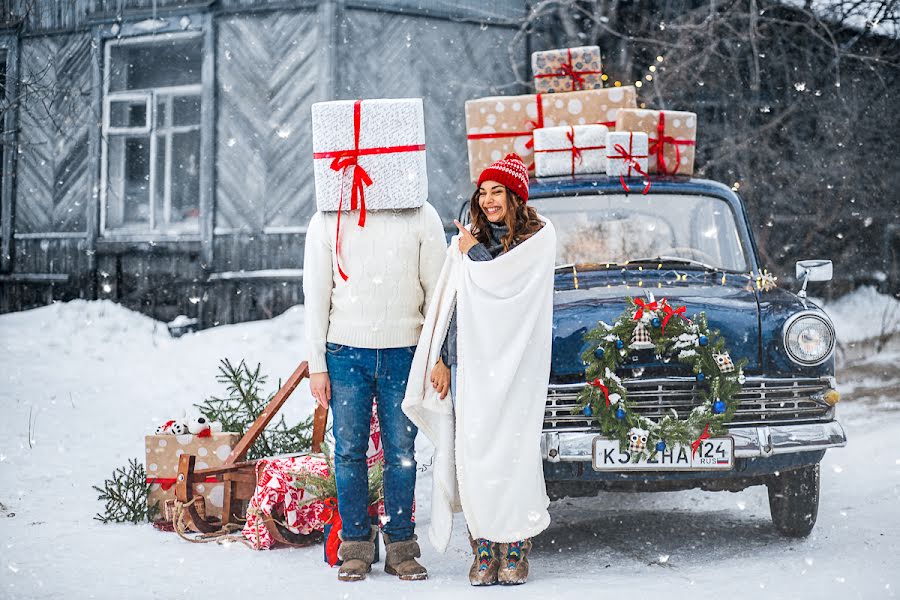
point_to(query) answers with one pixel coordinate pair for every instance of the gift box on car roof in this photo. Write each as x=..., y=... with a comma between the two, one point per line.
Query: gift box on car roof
x=567, y=69
x=672, y=137
x=369, y=154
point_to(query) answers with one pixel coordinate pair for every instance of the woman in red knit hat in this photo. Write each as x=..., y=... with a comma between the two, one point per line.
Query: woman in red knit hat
x=501, y=222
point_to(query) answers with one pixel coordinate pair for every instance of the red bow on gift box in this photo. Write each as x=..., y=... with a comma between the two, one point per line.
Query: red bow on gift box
x=347, y=159
x=573, y=149
x=631, y=160
x=568, y=70
x=658, y=145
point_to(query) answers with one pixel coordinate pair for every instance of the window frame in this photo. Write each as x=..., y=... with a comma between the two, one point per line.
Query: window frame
x=111, y=35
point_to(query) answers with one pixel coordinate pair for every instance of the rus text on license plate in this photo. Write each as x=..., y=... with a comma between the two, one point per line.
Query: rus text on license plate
x=715, y=454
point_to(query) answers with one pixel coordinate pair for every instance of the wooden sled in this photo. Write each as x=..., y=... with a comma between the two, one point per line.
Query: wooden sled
x=239, y=475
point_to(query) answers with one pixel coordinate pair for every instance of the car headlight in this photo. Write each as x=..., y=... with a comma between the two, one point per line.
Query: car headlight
x=808, y=338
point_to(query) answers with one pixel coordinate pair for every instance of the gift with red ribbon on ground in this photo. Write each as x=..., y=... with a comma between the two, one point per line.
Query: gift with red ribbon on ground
x=499, y=125
x=627, y=156
x=671, y=134
x=567, y=69
x=162, y=454
x=369, y=154
x=570, y=150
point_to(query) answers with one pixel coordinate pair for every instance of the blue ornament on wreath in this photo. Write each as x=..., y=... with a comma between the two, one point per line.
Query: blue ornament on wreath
x=703, y=340
x=620, y=344
x=701, y=377
x=660, y=446
x=588, y=411
x=719, y=407
x=620, y=413
x=656, y=322
x=599, y=352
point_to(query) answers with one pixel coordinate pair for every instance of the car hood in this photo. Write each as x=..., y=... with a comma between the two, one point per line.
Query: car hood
x=729, y=305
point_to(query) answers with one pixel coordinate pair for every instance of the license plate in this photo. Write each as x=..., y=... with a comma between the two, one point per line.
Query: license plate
x=714, y=454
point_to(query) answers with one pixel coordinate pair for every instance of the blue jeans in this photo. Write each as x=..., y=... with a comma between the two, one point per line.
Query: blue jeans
x=359, y=375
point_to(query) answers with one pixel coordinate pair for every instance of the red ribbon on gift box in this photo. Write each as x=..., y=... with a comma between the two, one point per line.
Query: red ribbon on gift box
x=568, y=70
x=658, y=145
x=346, y=159
x=575, y=150
x=631, y=160
x=166, y=483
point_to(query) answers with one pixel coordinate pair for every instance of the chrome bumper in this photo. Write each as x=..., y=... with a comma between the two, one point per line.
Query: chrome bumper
x=749, y=442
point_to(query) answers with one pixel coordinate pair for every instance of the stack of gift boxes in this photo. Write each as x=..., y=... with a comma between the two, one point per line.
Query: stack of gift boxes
x=573, y=125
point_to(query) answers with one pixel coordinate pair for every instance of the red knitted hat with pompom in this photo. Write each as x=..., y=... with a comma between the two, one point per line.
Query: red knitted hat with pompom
x=511, y=172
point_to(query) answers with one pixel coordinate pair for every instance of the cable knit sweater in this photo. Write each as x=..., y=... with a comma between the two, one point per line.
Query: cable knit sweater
x=392, y=264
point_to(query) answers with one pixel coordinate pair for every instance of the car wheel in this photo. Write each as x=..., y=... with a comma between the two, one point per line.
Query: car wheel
x=794, y=500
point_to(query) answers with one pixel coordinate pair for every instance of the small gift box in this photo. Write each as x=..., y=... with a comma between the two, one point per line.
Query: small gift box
x=672, y=136
x=567, y=69
x=626, y=154
x=499, y=125
x=369, y=154
x=570, y=150
x=162, y=454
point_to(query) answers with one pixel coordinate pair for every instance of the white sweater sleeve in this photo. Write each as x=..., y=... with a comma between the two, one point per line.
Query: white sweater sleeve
x=318, y=282
x=432, y=252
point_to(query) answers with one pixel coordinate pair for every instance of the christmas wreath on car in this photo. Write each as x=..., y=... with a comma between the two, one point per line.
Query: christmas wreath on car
x=658, y=326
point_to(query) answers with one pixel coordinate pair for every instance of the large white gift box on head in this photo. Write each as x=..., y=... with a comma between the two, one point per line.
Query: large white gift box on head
x=569, y=150
x=369, y=154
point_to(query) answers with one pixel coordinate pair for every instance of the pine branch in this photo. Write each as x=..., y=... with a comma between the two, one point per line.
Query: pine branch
x=125, y=495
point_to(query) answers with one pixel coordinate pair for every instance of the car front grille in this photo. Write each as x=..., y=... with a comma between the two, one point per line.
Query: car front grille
x=762, y=401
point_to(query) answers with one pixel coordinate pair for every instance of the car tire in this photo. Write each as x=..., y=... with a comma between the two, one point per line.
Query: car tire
x=794, y=500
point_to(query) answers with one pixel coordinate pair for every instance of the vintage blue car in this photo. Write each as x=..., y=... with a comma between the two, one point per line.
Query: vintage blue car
x=690, y=241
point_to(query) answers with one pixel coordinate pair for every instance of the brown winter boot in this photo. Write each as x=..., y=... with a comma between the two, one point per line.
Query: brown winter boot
x=487, y=561
x=357, y=558
x=400, y=559
x=514, y=569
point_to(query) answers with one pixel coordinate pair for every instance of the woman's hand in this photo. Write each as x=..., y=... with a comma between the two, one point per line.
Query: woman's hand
x=440, y=378
x=466, y=241
x=320, y=386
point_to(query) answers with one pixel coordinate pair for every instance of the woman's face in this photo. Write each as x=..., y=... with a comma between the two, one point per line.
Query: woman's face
x=493, y=201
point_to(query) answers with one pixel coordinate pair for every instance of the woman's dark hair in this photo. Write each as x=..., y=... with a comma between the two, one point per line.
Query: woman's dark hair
x=521, y=220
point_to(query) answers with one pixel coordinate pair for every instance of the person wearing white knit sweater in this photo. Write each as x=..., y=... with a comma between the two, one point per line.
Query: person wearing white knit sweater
x=361, y=335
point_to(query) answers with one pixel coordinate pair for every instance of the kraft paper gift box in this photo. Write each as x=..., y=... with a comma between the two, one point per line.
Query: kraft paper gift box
x=567, y=69
x=672, y=136
x=162, y=454
x=626, y=154
x=499, y=125
x=570, y=150
x=369, y=154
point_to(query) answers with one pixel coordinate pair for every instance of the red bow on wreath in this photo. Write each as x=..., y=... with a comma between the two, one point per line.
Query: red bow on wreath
x=598, y=383
x=695, y=445
x=671, y=313
x=639, y=302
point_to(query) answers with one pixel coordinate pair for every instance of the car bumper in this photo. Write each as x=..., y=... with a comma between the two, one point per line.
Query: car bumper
x=749, y=442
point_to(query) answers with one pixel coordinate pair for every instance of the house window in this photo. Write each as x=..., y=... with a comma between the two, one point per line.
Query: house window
x=151, y=134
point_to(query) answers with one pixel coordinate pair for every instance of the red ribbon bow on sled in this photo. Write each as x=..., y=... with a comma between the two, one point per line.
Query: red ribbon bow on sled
x=568, y=70
x=671, y=313
x=695, y=445
x=346, y=159
x=598, y=383
x=658, y=144
x=631, y=160
x=331, y=516
x=639, y=302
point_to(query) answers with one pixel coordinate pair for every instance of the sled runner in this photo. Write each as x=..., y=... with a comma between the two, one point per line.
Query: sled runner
x=239, y=475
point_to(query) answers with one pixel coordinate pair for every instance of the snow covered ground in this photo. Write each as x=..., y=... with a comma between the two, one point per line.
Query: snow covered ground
x=93, y=378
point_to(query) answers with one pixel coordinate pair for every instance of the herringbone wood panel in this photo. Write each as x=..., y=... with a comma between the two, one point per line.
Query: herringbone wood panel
x=266, y=84
x=55, y=116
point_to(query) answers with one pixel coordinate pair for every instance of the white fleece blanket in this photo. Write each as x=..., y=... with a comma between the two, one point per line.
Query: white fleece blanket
x=487, y=459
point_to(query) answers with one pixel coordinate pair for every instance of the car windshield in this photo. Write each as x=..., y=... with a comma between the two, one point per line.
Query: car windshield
x=698, y=231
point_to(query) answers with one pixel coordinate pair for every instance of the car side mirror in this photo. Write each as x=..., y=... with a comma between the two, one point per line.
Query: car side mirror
x=813, y=270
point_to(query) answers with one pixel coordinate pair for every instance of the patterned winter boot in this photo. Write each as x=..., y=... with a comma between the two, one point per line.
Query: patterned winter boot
x=357, y=558
x=487, y=561
x=400, y=559
x=514, y=570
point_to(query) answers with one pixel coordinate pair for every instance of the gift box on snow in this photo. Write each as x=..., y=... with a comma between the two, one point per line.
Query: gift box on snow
x=369, y=154
x=162, y=454
x=672, y=136
x=570, y=150
x=499, y=125
x=567, y=69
